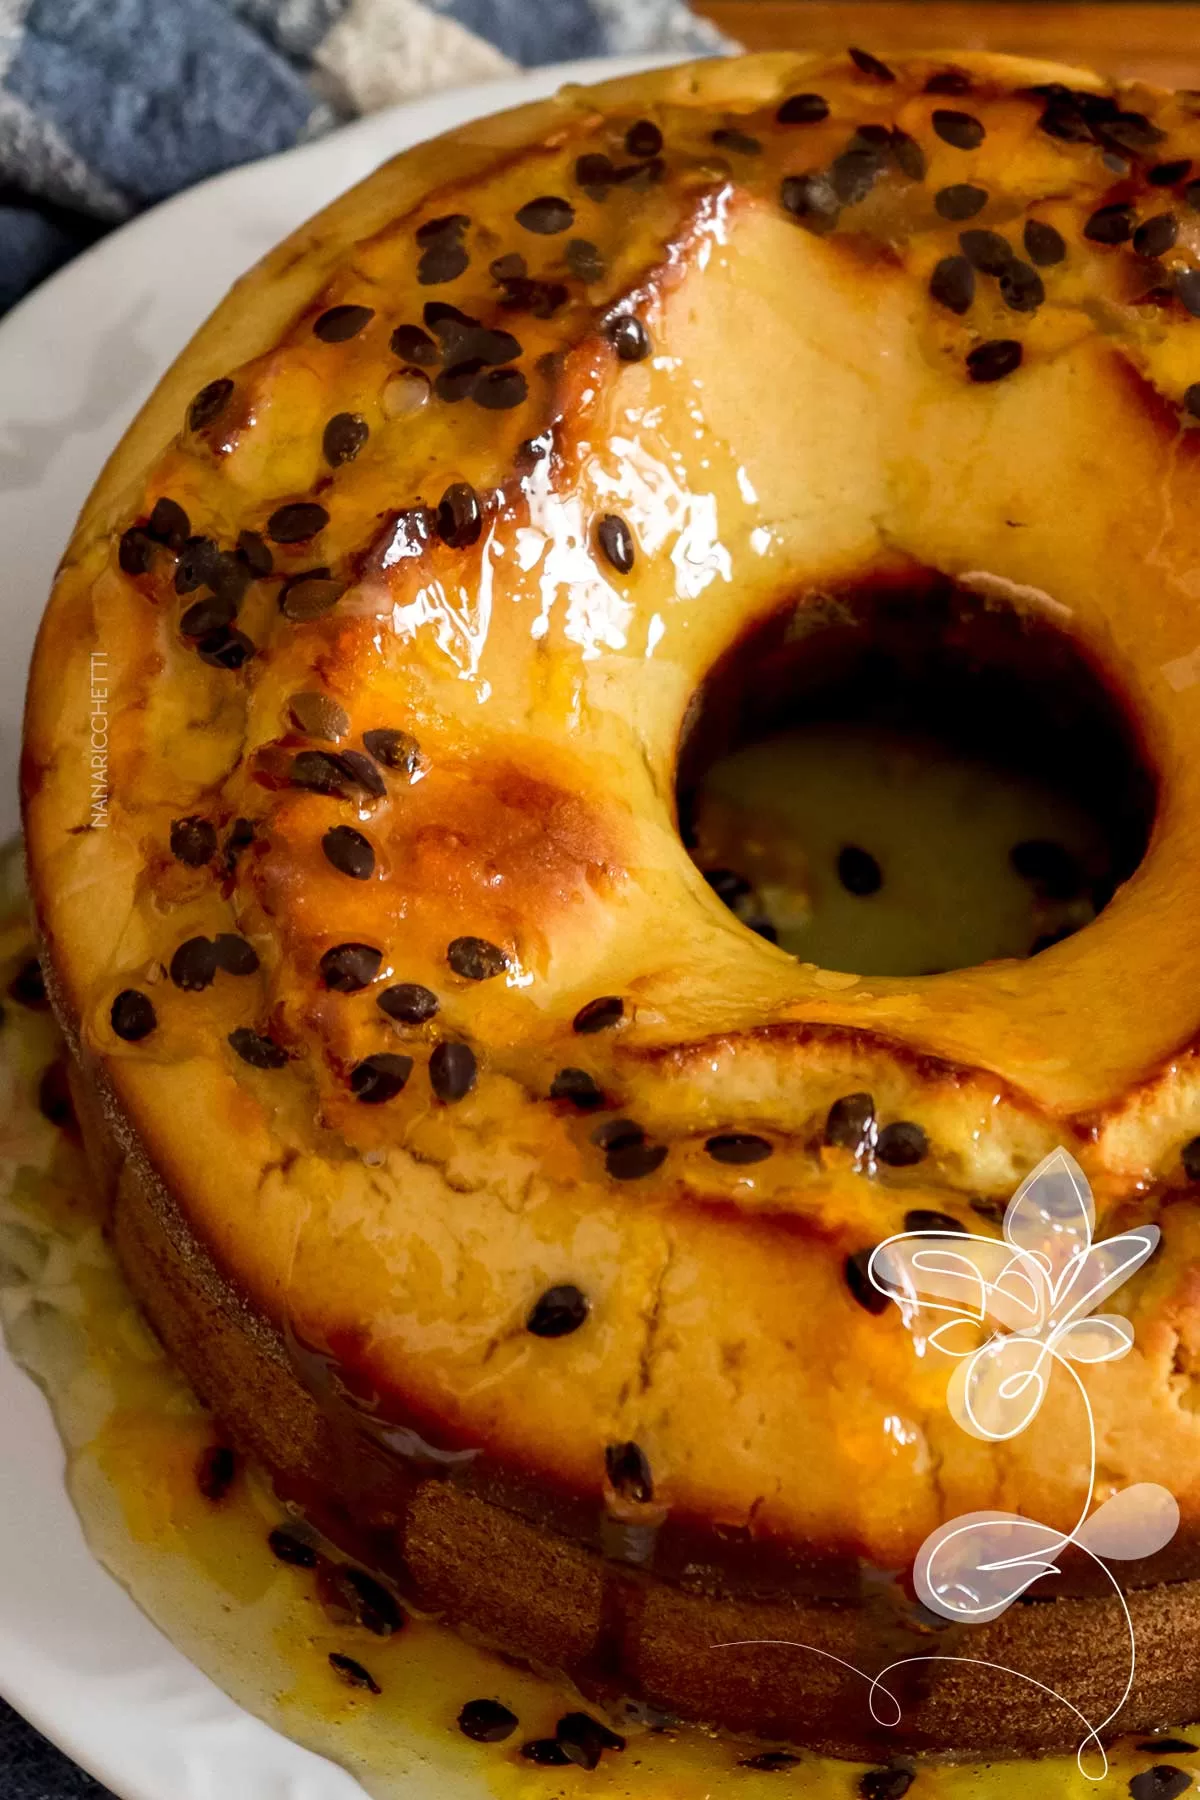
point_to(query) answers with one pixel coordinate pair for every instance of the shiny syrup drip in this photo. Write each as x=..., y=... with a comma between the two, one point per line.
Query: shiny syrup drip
x=456, y=623
x=456, y=619
x=202, y=1570
x=466, y=622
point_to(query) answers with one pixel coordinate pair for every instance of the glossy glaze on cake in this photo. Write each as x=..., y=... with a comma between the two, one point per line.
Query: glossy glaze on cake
x=485, y=1174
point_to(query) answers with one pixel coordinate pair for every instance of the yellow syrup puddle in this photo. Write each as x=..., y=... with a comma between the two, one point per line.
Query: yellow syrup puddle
x=939, y=889
x=203, y=1572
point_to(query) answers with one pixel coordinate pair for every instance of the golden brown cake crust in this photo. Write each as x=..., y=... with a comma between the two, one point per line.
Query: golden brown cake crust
x=616, y=1628
x=405, y=579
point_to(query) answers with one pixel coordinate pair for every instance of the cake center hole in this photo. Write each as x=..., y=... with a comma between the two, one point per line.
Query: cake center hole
x=903, y=777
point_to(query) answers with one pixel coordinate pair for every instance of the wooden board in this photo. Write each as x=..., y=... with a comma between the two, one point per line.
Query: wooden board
x=1154, y=43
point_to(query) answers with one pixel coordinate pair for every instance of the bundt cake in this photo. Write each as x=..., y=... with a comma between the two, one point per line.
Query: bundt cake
x=500, y=1189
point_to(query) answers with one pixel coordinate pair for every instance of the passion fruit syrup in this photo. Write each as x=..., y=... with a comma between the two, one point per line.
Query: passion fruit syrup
x=294, y=1633
x=860, y=848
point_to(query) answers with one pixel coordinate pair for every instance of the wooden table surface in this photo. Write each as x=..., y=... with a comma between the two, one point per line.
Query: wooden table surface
x=1152, y=43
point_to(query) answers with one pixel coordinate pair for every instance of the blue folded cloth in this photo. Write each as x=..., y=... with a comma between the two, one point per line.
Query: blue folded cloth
x=109, y=105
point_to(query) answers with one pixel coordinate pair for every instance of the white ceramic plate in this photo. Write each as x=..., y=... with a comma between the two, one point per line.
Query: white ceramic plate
x=76, y=361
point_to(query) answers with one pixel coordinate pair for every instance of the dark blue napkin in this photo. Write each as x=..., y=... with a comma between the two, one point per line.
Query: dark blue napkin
x=109, y=105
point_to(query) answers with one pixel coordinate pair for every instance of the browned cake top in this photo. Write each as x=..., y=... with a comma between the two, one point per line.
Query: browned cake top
x=388, y=946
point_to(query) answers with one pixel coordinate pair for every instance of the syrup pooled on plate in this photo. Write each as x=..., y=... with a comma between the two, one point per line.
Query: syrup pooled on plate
x=407, y=590
x=286, y=1625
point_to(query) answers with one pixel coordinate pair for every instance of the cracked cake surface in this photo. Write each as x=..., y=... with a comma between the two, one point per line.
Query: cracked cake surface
x=503, y=1190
